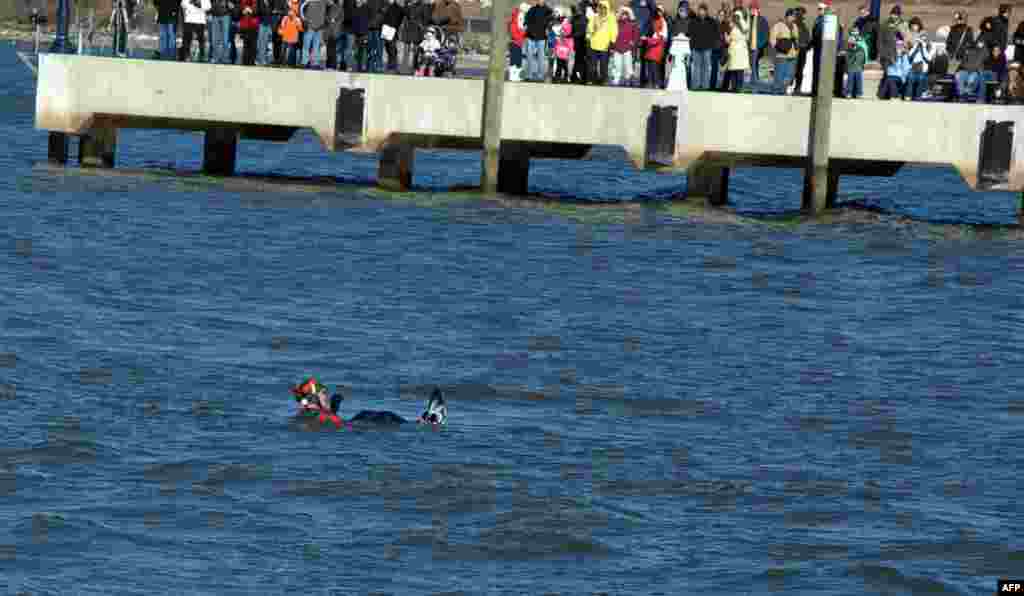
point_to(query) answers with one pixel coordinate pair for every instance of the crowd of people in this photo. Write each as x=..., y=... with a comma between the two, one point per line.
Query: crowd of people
x=647, y=47
x=357, y=35
x=637, y=44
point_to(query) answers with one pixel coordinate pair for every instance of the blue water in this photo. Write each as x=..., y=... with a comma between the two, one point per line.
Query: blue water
x=644, y=399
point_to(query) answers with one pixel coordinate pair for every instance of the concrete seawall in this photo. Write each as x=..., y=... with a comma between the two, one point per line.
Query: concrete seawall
x=78, y=95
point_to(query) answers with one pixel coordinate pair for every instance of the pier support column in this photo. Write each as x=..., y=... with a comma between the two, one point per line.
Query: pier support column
x=395, y=169
x=817, y=181
x=709, y=181
x=514, y=168
x=58, y=148
x=220, y=151
x=97, y=148
x=494, y=91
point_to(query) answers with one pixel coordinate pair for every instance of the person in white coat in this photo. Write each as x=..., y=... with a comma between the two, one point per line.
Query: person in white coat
x=195, y=12
x=739, y=53
x=678, y=55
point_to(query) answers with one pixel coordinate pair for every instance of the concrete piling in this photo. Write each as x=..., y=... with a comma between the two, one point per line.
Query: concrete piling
x=97, y=148
x=513, y=168
x=220, y=150
x=493, y=96
x=709, y=181
x=58, y=148
x=394, y=172
x=817, y=176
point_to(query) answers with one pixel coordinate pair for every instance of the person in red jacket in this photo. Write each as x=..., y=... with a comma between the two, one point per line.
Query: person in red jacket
x=517, y=37
x=248, y=27
x=622, y=48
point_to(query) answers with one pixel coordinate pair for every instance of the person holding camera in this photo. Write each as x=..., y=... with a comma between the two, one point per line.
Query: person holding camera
x=195, y=27
x=920, y=57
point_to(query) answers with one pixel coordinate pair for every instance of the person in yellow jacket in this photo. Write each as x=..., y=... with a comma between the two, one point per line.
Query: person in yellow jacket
x=602, y=30
x=785, y=38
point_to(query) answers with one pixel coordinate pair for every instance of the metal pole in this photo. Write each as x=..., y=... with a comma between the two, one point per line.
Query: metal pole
x=816, y=187
x=493, y=96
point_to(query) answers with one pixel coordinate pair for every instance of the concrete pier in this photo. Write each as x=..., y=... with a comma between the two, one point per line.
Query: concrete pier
x=97, y=148
x=714, y=132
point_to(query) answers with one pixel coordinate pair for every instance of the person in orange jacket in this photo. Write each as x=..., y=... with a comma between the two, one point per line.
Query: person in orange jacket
x=291, y=26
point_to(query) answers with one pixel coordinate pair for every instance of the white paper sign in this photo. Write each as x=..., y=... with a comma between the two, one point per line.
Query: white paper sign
x=829, y=32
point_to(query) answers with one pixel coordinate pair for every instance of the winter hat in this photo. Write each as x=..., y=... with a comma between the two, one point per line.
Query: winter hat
x=896, y=10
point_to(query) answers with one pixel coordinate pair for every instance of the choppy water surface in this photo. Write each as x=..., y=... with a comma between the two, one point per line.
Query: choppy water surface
x=644, y=399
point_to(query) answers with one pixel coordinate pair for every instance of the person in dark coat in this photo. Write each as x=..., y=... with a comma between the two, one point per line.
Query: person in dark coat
x=375, y=61
x=346, y=41
x=703, y=39
x=417, y=18
x=332, y=32
x=167, y=17
x=804, y=44
x=394, y=16
x=867, y=26
x=580, y=62
x=1001, y=25
x=759, y=33
x=680, y=25
x=1018, y=44
x=961, y=37
x=360, y=35
x=278, y=10
x=987, y=33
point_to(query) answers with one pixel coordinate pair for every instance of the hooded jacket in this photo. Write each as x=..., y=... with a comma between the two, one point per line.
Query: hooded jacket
x=314, y=14
x=856, y=56
x=629, y=35
x=516, y=34
x=603, y=30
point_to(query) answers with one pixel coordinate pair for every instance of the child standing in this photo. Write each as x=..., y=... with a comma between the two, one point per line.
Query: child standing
x=291, y=26
x=429, y=46
x=563, y=48
x=622, y=49
x=896, y=74
x=856, y=57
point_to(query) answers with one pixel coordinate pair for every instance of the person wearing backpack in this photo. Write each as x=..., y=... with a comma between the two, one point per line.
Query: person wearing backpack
x=785, y=39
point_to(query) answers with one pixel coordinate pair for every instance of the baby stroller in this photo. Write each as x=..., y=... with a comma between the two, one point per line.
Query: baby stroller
x=440, y=61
